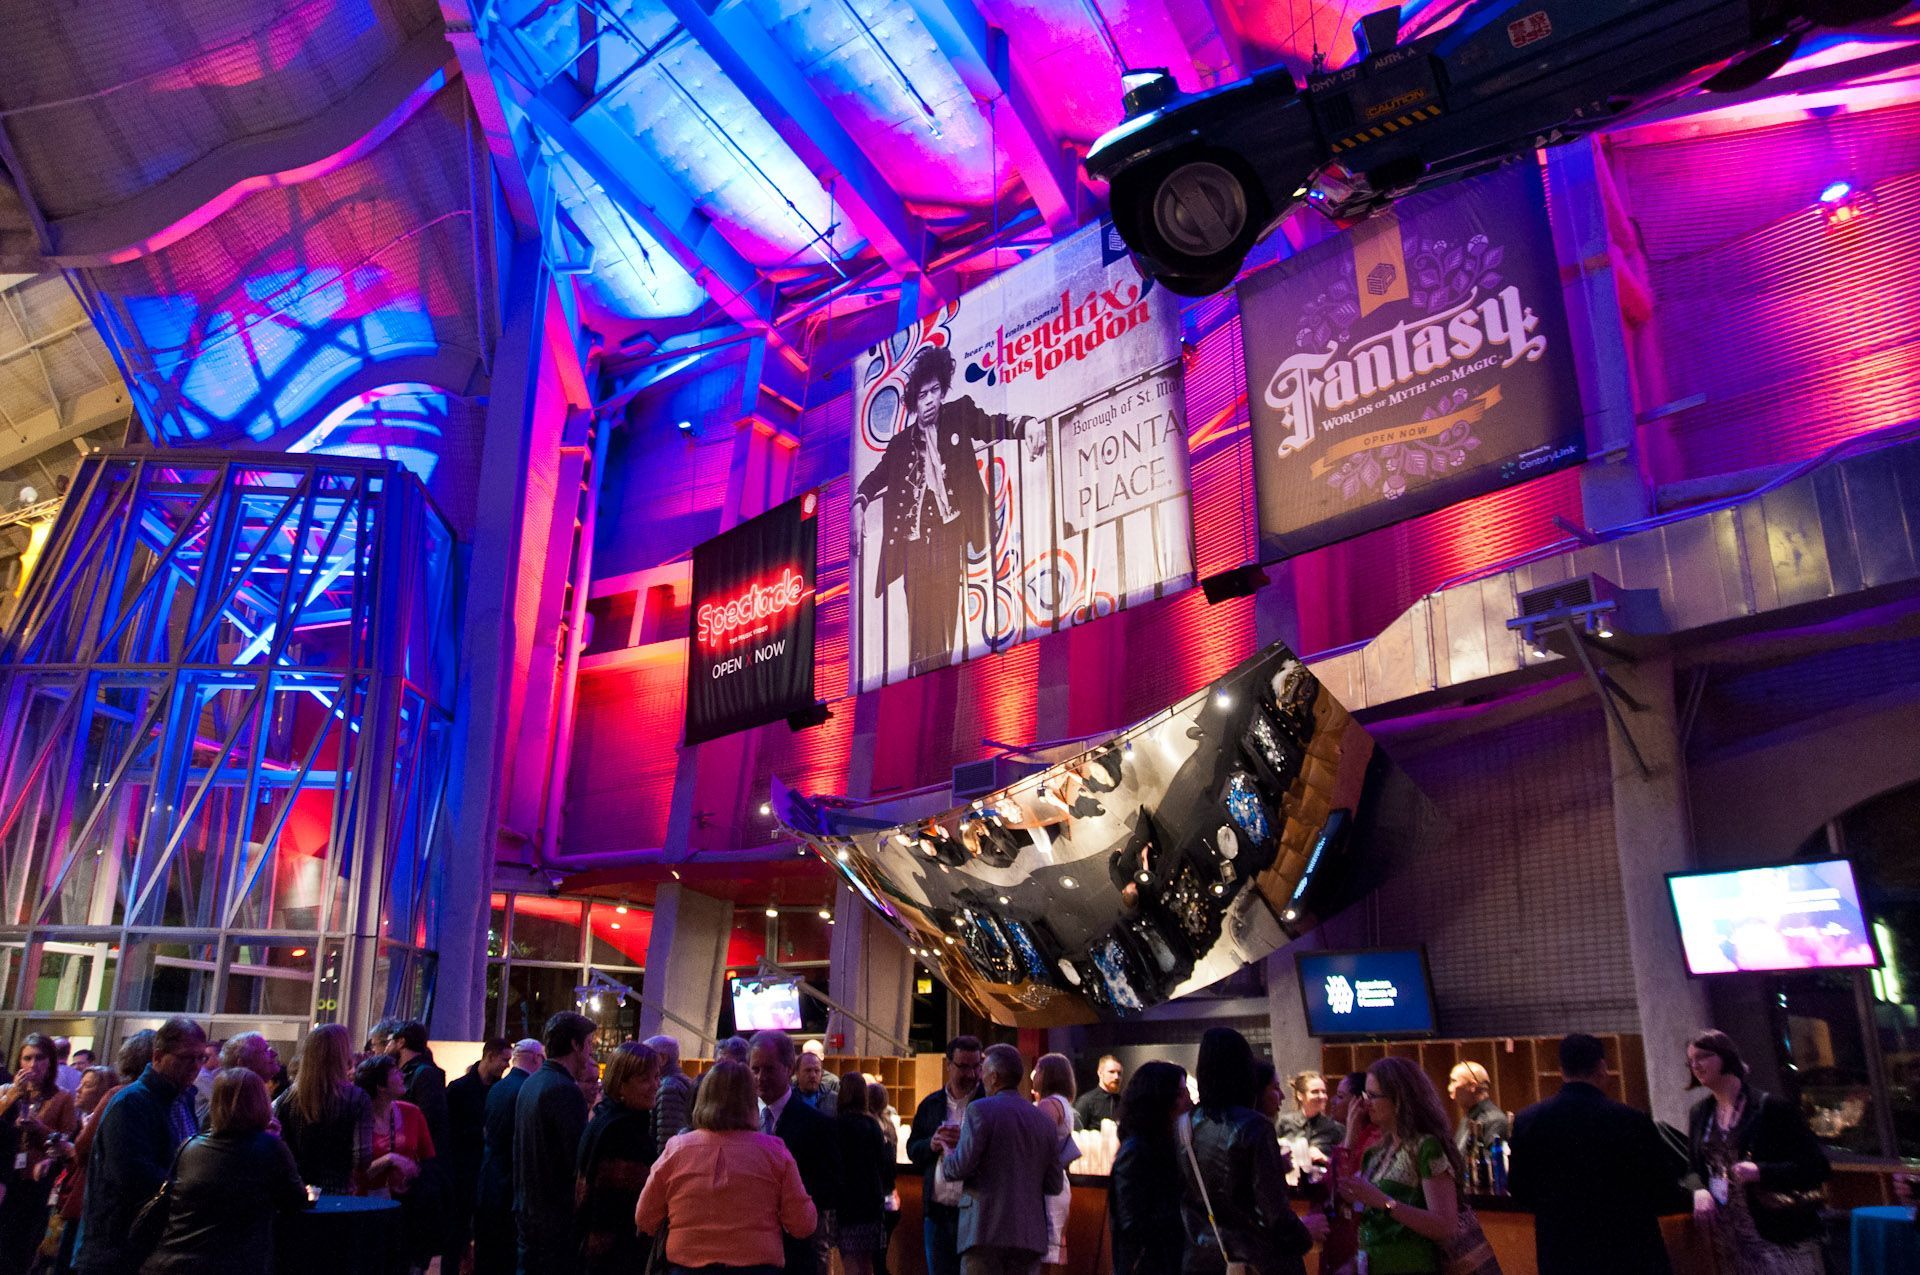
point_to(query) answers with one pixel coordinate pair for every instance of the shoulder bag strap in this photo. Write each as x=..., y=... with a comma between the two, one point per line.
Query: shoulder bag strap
x=1205, y=1200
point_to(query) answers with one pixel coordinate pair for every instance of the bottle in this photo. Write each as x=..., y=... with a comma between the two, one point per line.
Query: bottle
x=1497, y=1156
x=1482, y=1170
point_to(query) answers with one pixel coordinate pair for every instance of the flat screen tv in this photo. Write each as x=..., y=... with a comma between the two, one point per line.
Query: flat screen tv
x=1384, y=991
x=1792, y=916
x=766, y=1005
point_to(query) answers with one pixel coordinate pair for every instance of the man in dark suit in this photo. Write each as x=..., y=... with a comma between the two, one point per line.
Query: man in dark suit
x=549, y=1117
x=1595, y=1173
x=426, y=1081
x=935, y=1131
x=813, y=1139
x=496, y=1246
x=935, y=512
x=1009, y=1158
x=466, y=1143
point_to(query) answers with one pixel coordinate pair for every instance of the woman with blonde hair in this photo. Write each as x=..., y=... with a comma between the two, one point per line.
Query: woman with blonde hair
x=725, y=1191
x=326, y=1121
x=229, y=1184
x=1410, y=1182
x=616, y=1153
x=1053, y=1095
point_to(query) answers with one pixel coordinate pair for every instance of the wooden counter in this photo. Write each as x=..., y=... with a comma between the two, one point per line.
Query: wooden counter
x=1090, y=1251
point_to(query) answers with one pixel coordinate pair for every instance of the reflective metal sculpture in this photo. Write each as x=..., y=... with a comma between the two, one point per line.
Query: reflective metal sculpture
x=1148, y=867
x=224, y=740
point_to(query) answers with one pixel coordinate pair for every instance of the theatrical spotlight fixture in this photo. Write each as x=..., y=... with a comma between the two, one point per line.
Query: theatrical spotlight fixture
x=808, y=718
x=621, y=906
x=1842, y=202
x=1241, y=582
x=685, y=427
x=1553, y=616
x=766, y=807
x=772, y=913
x=1222, y=700
x=826, y=915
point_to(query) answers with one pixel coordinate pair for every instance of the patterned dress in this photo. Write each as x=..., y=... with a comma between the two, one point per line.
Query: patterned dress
x=1738, y=1248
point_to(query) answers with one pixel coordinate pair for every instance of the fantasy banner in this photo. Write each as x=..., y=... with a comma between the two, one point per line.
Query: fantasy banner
x=1416, y=360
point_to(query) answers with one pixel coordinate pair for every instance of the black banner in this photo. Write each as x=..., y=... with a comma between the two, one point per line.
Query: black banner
x=1416, y=360
x=750, y=648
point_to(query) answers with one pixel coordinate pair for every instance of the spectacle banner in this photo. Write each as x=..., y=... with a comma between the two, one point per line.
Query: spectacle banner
x=1019, y=463
x=1419, y=359
x=750, y=654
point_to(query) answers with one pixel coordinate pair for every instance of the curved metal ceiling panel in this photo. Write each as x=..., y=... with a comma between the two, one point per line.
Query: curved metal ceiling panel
x=258, y=322
x=99, y=111
x=877, y=68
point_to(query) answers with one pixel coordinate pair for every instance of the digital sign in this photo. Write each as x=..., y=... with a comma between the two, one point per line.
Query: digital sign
x=1795, y=916
x=750, y=654
x=1382, y=992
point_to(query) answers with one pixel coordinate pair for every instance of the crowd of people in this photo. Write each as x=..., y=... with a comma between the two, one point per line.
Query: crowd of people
x=182, y=1156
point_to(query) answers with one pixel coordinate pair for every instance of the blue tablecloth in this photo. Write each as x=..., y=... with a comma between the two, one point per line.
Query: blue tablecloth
x=342, y=1235
x=1885, y=1241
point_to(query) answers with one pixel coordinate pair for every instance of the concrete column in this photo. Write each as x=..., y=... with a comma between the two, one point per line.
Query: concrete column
x=1612, y=489
x=1652, y=838
x=871, y=974
x=1294, y=1050
x=686, y=968
x=486, y=649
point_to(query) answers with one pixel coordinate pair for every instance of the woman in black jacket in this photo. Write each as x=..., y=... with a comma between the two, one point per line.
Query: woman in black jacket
x=1144, y=1205
x=866, y=1169
x=228, y=1186
x=1759, y=1166
x=616, y=1153
x=1240, y=1201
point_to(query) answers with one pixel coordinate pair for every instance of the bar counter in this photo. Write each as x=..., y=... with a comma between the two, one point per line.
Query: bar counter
x=1090, y=1251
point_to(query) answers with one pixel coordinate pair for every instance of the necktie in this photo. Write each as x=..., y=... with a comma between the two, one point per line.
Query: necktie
x=766, y=1120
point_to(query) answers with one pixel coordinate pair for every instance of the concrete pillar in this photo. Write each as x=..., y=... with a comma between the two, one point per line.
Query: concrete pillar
x=872, y=975
x=486, y=660
x=1612, y=489
x=1652, y=838
x=686, y=968
x=1293, y=1049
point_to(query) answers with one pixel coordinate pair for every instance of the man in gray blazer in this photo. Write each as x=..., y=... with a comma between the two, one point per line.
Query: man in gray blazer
x=1009, y=1158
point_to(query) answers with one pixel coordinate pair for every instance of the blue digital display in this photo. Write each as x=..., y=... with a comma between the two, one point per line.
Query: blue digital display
x=1383, y=992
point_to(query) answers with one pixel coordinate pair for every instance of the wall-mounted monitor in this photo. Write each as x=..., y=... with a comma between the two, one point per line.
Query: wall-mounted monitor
x=766, y=1005
x=1792, y=916
x=1377, y=992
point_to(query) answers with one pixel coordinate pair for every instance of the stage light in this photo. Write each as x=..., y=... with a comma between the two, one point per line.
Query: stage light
x=1836, y=191
x=685, y=427
x=773, y=912
x=614, y=924
x=766, y=807
x=1068, y=883
x=841, y=855
x=621, y=907
x=1004, y=900
x=1223, y=700
x=299, y=952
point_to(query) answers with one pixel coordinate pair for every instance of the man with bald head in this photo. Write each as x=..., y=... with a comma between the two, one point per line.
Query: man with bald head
x=1010, y=1159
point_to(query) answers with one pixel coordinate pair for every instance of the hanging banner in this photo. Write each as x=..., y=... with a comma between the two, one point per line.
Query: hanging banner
x=1416, y=360
x=1019, y=463
x=750, y=654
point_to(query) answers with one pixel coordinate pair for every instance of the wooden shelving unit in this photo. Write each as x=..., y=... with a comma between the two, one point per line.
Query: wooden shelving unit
x=901, y=1076
x=1524, y=1069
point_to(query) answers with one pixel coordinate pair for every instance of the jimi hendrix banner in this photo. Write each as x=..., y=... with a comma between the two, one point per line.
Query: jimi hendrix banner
x=1416, y=360
x=1019, y=463
x=750, y=658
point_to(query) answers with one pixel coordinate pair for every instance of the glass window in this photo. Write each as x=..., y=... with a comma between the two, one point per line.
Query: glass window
x=618, y=935
x=168, y=977
x=535, y=994
x=803, y=935
x=326, y=1006
x=68, y=979
x=545, y=929
x=269, y=978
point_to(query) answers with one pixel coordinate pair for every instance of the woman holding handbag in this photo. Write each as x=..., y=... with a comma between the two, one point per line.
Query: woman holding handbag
x=1409, y=1183
x=1759, y=1166
x=1237, y=1215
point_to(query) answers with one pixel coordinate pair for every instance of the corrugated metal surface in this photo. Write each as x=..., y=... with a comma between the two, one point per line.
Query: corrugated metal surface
x=1797, y=334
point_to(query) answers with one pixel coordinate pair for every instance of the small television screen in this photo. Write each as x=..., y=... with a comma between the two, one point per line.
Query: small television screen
x=1793, y=916
x=1378, y=992
x=766, y=1005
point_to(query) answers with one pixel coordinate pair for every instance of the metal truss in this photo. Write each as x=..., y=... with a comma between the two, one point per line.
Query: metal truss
x=225, y=731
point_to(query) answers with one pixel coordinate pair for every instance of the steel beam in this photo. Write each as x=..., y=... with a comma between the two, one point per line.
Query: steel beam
x=765, y=72
x=978, y=51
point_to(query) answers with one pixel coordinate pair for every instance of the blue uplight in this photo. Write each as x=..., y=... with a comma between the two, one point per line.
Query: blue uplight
x=1836, y=191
